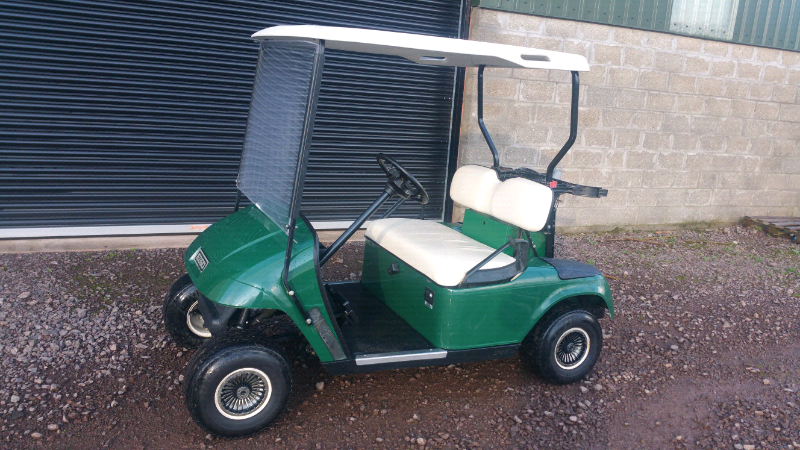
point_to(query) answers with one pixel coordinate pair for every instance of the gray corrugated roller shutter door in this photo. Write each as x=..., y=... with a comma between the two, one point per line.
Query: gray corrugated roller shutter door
x=122, y=112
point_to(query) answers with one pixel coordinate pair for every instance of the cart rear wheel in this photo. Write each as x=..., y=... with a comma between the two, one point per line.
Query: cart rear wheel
x=182, y=318
x=237, y=384
x=564, y=346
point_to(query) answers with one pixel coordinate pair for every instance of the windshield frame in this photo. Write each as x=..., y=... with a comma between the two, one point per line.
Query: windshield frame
x=280, y=126
x=301, y=161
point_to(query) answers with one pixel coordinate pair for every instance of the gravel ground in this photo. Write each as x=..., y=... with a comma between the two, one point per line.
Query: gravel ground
x=703, y=354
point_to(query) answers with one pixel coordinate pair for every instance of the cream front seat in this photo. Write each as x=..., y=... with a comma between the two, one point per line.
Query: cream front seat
x=443, y=254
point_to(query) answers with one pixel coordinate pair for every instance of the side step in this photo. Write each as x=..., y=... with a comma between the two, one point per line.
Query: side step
x=396, y=357
x=375, y=362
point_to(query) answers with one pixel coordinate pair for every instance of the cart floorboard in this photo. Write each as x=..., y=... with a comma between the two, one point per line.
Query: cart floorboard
x=379, y=329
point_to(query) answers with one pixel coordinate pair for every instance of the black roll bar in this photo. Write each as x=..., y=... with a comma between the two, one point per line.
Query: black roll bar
x=549, y=228
x=485, y=132
x=573, y=127
x=573, y=124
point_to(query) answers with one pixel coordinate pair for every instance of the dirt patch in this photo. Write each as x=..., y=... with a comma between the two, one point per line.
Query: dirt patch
x=702, y=354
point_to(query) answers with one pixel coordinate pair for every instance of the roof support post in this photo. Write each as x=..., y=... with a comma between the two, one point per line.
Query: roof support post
x=300, y=175
x=573, y=127
x=495, y=157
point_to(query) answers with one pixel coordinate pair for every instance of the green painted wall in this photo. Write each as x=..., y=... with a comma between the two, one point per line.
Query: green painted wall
x=764, y=23
x=768, y=23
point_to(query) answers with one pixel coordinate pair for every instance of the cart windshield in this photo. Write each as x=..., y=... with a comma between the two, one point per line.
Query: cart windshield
x=278, y=128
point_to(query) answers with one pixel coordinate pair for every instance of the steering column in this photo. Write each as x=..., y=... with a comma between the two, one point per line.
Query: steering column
x=400, y=183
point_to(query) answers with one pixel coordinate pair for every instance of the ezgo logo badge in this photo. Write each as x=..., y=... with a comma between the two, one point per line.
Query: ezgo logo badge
x=200, y=260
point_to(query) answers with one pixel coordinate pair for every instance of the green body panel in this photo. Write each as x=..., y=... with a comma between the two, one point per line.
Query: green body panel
x=246, y=255
x=489, y=231
x=246, y=252
x=479, y=316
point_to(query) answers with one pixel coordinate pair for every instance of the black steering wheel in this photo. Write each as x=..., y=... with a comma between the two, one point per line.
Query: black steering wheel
x=400, y=181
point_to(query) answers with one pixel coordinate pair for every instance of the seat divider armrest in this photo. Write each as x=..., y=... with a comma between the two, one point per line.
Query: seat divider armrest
x=477, y=277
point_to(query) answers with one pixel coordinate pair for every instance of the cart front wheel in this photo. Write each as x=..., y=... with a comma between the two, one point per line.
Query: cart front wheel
x=182, y=317
x=564, y=346
x=237, y=384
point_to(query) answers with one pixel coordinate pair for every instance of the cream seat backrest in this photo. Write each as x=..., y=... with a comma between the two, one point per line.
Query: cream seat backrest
x=518, y=201
x=473, y=188
x=523, y=203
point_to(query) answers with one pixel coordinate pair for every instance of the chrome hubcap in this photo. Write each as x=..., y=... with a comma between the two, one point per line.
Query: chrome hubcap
x=194, y=320
x=243, y=393
x=572, y=348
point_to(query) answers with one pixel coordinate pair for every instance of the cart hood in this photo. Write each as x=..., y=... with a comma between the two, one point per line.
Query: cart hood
x=238, y=261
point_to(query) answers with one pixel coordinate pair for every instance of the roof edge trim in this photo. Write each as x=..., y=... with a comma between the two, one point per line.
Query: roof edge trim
x=430, y=50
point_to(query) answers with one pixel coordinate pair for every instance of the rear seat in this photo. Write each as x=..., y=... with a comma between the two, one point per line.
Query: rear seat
x=444, y=255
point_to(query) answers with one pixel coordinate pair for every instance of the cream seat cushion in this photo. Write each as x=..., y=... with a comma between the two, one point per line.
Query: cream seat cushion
x=439, y=252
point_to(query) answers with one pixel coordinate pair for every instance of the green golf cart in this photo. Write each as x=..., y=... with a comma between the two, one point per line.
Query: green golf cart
x=430, y=293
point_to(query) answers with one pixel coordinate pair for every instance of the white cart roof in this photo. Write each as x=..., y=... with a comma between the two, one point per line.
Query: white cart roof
x=428, y=49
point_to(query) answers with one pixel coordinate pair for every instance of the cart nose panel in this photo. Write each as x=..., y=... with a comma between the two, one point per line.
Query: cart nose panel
x=235, y=234
x=243, y=251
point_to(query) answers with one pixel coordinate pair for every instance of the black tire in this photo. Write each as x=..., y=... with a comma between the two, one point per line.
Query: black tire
x=564, y=346
x=180, y=307
x=224, y=365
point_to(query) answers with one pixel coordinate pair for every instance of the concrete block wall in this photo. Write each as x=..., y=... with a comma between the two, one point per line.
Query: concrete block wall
x=679, y=129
